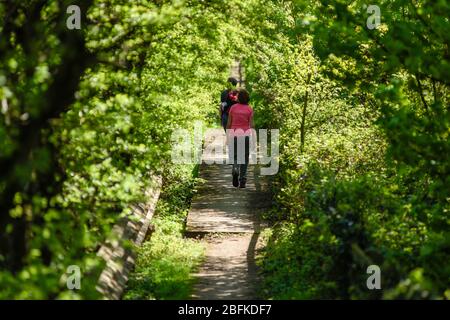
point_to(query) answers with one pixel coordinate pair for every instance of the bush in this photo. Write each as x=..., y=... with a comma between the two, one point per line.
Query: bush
x=166, y=261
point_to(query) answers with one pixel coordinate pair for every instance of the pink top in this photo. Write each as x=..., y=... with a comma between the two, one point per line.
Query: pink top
x=241, y=116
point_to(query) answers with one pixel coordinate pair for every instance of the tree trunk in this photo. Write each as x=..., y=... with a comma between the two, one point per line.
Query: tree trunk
x=305, y=107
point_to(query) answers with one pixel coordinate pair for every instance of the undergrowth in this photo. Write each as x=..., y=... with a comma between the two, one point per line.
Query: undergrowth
x=166, y=260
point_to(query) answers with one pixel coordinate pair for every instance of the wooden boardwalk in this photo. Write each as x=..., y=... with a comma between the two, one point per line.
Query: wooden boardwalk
x=230, y=219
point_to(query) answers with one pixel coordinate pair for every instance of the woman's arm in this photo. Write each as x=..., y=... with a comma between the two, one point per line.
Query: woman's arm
x=228, y=127
x=229, y=120
x=252, y=127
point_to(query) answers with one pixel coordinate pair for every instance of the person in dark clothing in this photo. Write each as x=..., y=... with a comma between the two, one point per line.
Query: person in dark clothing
x=227, y=99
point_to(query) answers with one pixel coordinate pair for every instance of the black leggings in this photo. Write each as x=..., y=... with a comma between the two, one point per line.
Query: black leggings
x=241, y=168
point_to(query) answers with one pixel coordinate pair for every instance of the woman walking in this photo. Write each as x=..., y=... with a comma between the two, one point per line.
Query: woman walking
x=239, y=129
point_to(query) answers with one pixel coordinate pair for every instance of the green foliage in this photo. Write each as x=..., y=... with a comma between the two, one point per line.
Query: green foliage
x=370, y=177
x=296, y=262
x=164, y=265
x=165, y=262
x=87, y=116
x=86, y=122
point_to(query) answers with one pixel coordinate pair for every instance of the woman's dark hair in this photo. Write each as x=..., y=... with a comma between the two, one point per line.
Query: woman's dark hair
x=243, y=96
x=233, y=81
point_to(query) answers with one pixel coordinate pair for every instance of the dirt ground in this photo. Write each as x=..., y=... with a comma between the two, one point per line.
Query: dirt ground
x=229, y=270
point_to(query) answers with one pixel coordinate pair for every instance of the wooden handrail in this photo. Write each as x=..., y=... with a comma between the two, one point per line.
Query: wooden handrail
x=119, y=259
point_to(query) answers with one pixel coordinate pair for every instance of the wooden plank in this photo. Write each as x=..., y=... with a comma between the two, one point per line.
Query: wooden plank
x=218, y=207
x=120, y=260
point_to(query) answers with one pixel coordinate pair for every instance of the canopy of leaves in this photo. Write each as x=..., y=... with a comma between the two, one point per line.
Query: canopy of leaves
x=87, y=116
